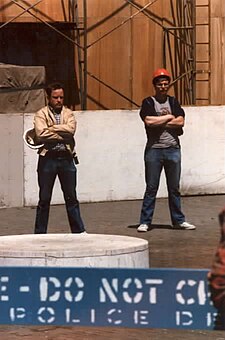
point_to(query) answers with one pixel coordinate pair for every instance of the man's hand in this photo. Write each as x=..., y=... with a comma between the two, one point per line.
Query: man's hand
x=165, y=112
x=175, y=122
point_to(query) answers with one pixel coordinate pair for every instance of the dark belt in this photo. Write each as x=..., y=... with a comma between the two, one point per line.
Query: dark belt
x=58, y=154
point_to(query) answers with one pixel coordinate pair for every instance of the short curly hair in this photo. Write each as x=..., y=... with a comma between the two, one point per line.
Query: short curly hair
x=53, y=86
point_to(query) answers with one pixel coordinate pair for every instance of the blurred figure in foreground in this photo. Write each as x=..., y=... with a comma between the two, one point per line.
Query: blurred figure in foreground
x=216, y=276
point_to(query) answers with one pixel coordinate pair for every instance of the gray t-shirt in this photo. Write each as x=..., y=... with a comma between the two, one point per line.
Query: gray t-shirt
x=166, y=139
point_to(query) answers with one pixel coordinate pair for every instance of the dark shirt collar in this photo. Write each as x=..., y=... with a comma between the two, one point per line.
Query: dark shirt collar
x=55, y=112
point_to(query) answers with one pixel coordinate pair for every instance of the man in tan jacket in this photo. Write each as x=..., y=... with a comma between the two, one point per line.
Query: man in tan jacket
x=55, y=126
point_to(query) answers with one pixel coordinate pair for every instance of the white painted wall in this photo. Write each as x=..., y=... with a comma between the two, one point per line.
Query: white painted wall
x=203, y=145
x=110, y=146
x=12, y=163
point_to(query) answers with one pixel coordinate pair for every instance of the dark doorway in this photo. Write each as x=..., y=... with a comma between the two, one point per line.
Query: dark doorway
x=35, y=44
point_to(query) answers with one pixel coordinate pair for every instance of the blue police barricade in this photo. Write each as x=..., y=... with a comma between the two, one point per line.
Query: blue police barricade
x=137, y=298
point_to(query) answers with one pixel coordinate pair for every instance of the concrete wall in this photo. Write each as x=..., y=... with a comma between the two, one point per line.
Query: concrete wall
x=110, y=146
x=203, y=144
x=12, y=166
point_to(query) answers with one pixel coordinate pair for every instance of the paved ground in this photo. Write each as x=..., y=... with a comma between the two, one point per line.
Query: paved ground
x=168, y=248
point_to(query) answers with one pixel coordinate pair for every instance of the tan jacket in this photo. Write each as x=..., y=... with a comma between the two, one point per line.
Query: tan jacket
x=48, y=131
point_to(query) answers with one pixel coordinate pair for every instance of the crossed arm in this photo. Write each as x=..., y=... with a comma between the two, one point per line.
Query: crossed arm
x=168, y=120
x=47, y=131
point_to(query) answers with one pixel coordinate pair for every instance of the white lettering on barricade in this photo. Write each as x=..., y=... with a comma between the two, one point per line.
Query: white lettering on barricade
x=53, y=282
x=138, y=285
x=156, y=298
x=17, y=313
x=106, y=288
x=140, y=317
x=153, y=290
x=184, y=318
x=201, y=292
x=211, y=318
x=70, y=318
x=111, y=313
x=3, y=288
x=46, y=315
x=80, y=284
x=44, y=288
x=111, y=290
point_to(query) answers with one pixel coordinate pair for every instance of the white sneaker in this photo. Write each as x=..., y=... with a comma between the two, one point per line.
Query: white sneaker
x=185, y=226
x=142, y=227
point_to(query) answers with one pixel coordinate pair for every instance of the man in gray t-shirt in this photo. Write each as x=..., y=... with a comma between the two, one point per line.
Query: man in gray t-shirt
x=164, y=120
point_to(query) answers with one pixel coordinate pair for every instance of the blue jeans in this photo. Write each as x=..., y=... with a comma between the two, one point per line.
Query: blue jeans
x=65, y=169
x=155, y=161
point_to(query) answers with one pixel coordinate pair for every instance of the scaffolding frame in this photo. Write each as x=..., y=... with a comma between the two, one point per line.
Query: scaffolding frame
x=179, y=42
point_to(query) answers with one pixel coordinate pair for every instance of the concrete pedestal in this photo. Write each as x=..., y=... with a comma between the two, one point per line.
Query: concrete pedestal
x=74, y=250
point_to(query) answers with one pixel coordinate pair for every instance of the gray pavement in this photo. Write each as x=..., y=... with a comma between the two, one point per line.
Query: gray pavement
x=167, y=248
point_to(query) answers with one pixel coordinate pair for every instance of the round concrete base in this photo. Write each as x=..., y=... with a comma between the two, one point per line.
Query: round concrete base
x=74, y=250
